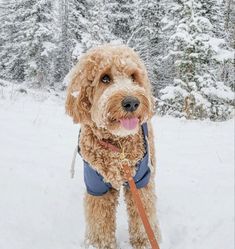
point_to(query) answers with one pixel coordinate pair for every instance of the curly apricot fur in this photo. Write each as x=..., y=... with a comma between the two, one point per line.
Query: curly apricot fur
x=98, y=108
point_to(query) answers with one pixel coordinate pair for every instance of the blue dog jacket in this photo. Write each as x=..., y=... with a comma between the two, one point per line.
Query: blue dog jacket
x=95, y=183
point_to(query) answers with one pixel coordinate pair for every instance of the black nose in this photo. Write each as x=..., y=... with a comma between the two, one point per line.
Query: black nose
x=130, y=104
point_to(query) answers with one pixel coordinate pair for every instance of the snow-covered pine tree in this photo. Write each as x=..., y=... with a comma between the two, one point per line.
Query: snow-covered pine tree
x=63, y=60
x=41, y=44
x=213, y=10
x=196, y=91
x=97, y=29
x=77, y=21
x=80, y=25
x=165, y=65
x=13, y=39
x=216, y=12
x=120, y=16
x=229, y=16
x=26, y=53
x=146, y=34
x=76, y=17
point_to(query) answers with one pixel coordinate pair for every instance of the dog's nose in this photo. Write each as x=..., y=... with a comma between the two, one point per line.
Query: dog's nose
x=130, y=104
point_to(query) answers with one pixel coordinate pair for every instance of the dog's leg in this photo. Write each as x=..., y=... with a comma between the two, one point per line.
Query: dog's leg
x=138, y=236
x=100, y=214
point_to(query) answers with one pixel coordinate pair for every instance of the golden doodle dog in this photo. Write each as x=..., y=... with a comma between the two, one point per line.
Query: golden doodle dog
x=110, y=96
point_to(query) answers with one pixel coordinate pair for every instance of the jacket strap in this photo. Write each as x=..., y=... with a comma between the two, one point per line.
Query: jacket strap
x=145, y=129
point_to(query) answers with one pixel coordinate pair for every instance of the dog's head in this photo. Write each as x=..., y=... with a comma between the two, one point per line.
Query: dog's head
x=110, y=89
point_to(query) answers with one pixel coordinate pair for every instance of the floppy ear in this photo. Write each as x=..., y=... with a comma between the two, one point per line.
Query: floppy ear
x=79, y=94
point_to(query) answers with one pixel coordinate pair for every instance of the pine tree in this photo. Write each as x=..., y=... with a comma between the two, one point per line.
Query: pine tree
x=120, y=16
x=165, y=70
x=229, y=20
x=149, y=39
x=64, y=48
x=13, y=39
x=196, y=91
x=97, y=29
x=41, y=46
x=77, y=27
x=213, y=10
x=73, y=21
x=27, y=41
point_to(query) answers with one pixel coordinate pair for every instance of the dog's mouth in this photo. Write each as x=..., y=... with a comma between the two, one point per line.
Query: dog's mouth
x=129, y=123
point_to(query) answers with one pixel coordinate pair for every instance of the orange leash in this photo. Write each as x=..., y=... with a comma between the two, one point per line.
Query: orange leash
x=140, y=207
x=135, y=193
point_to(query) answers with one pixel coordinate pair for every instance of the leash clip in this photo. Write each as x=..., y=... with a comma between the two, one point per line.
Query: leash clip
x=122, y=154
x=125, y=164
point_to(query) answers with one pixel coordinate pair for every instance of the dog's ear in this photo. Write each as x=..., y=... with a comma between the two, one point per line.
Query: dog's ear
x=79, y=95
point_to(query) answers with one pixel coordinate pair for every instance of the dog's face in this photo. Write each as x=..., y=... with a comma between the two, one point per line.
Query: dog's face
x=110, y=89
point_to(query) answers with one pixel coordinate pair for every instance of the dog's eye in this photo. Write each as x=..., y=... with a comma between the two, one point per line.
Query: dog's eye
x=106, y=79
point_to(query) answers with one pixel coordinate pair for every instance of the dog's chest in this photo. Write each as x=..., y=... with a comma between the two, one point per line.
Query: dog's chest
x=103, y=158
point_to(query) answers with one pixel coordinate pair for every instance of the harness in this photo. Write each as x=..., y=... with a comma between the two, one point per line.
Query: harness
x=95, y=183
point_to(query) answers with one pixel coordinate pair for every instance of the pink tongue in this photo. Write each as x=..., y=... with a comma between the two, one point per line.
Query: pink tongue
x=129, y=123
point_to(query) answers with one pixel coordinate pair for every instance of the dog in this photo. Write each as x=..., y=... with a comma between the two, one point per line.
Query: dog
x=110, y=96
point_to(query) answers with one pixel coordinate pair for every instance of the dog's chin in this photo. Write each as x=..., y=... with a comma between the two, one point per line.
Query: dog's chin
x=123, y=132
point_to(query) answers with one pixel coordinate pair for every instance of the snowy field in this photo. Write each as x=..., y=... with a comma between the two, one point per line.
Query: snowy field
x=42, y=208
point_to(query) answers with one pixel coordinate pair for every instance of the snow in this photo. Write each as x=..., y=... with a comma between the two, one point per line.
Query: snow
x=75, y=94
x=169, y=24
x=49, y=47
x=222, y=92
x=77, y=51
x=66, y=79
x=221, y=53
x=180, y=35
x=169, y=92
x=42, y=208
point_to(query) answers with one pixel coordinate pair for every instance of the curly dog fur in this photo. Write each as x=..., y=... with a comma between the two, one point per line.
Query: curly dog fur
x=97, y=107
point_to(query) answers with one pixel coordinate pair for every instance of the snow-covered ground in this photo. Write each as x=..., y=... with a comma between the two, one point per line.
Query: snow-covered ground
x=42, y=208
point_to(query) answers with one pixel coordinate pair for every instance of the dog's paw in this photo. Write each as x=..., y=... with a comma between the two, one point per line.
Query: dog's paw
x=140, y=243
x=100, y=244
x=143, y=243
